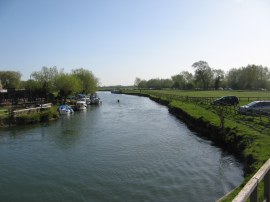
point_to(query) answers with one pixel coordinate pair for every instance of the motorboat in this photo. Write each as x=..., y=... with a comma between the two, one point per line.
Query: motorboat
x=80, y=105
x=64, y=109
x=94, y=99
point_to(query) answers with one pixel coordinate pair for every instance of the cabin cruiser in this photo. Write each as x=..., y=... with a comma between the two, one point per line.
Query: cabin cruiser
x=94, y=99
x=80, y=105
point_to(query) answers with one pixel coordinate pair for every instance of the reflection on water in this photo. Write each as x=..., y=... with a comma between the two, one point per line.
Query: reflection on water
x=133, y=150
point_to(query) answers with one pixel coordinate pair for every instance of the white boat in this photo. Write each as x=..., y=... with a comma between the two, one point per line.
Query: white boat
x=88, y=101
x=94, y=99
x=65, y=109
x=80, y=105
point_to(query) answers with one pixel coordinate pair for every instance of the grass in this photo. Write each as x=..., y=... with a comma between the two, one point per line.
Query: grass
x=215, y=93
x=251, y=129
x=43, y=116
x=3, y=112
x=35, y=117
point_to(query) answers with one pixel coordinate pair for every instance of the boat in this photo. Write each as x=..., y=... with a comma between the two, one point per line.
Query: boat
x=80, y=105
x=94, y=99
x=64, y=109
x=86, y=100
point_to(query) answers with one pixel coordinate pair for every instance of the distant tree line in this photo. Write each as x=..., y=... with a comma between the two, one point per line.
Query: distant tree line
x=50, y=81
x=251, y=77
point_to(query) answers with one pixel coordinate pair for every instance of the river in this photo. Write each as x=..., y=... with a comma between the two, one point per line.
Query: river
x=132, y=150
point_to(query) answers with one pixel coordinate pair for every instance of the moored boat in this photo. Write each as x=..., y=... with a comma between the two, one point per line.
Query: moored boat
x=80, y=105
x=64, y=109
x=94, y=99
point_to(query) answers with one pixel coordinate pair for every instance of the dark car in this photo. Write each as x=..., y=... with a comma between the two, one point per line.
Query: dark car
x=226, y=100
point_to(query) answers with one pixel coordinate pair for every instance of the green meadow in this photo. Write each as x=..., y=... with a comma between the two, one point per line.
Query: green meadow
x=214, y=93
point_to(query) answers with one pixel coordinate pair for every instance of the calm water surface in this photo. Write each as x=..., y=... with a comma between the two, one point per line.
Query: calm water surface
x=133, y=150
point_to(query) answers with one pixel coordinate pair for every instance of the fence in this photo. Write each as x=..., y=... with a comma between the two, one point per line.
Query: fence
x=250, y=190
x=31, y=110
x=261, y=115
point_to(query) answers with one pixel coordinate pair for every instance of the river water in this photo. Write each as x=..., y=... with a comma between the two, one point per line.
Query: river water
x=134, y=150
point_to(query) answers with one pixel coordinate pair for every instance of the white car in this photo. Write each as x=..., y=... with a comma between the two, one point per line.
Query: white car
x=255, y=106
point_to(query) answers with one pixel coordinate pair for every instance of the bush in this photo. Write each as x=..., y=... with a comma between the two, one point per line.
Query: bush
x=47, y=115
x=28, y=118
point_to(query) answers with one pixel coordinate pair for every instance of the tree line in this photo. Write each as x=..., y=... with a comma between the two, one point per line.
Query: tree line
x=50, y=81
x=251, y=77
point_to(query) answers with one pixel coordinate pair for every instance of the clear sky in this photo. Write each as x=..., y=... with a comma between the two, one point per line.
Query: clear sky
x=119, y=40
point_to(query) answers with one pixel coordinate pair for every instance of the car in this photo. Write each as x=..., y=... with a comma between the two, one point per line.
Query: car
x=255, y=107
x=226, y=100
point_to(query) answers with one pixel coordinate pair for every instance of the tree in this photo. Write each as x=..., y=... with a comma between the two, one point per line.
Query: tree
x=137, y=82
x=88, y=80
x=154, y=83
x=166, y=83
x=142, y=84
x=67, y=84
x=188, y=80
x=218, y=75
x=203, y=73
x=178, y=81
x=10, y=79
x=251, y=77
x=45, y=79
x=233, y=77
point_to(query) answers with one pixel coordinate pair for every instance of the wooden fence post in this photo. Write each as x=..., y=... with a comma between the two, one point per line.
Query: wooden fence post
x=267, y=187
x=254, y=195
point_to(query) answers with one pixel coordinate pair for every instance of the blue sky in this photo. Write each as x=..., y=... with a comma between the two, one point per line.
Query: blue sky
x=119, y=40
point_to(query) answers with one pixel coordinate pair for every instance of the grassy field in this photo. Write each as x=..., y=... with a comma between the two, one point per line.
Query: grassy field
x=245, y=96
x=253, y=129
x=216, y=93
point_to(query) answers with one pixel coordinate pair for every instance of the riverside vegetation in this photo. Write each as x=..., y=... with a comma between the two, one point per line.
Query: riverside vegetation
x=246, y=137
x=45, y=115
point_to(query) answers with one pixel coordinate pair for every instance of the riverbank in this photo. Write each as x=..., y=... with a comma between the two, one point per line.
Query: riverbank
x=40, y=116
x=250, y=146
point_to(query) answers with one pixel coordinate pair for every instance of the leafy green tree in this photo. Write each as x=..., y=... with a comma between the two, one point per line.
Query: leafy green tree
x=251, y=77
x=203, y=73
x=67, y=84
x=233, y=78
x=44, y=79
x=178, y=81
x=142, y=84
x=166, y=83
x=218, y=75
x=88, y=80
x=154, y=83
x=189, y=80
x=10, y=79
x=137, y=82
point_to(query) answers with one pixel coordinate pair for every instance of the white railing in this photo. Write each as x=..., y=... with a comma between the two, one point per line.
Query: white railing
x=250, y=190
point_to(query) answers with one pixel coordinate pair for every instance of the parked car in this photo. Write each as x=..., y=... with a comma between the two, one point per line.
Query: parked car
x=226, y=100
x=255, y=106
